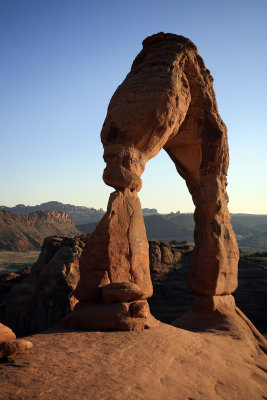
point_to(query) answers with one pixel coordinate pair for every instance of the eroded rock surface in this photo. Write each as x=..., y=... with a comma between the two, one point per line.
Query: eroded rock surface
x=46, y=294
x=172, y=298
x=115, y=280
x=10, y=279
x=166, y=101
x=169, y=268
x=161, y=363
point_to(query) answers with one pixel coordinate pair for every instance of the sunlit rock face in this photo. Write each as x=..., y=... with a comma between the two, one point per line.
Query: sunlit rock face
x=166, y=101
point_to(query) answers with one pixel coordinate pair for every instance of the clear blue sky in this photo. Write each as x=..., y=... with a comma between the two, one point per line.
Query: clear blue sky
x=62, y=60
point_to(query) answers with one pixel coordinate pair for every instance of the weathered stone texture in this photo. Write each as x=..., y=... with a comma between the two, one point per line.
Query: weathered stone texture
x=166, y=101
x=171, y=295
x=117, y=251
x=46, y=294
x=114, y=268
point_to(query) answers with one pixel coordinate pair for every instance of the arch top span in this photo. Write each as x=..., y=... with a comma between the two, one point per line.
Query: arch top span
x=166, y=101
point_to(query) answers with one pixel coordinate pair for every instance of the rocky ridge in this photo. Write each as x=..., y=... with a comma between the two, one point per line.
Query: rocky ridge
x=250, y=229
x=23, y=232
x=79, y=214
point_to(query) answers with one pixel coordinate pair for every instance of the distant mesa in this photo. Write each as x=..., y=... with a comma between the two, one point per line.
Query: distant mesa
x=24, y=232
x=79, y=214
x=149, y=211
x=250, y=229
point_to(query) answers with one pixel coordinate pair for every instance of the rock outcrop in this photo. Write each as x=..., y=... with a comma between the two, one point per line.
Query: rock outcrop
x=10, y=279
x=23, y=232
x=170, y=265
x=46, y=294
x=169, y=268
x=166, y=101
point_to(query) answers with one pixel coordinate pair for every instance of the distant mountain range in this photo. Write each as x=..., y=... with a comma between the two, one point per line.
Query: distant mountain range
x=250, y=229
x=79, y=214
x=23, y=232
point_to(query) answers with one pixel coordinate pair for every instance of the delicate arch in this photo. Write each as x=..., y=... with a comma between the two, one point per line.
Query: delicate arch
x=166, y=101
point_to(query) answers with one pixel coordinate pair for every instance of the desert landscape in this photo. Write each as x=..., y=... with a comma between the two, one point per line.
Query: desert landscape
x=82, y=321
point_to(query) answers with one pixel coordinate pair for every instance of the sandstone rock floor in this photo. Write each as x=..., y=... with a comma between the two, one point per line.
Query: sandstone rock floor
x=160, y=363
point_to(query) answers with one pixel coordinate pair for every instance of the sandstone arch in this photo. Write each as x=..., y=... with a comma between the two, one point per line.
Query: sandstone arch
x=166, y=101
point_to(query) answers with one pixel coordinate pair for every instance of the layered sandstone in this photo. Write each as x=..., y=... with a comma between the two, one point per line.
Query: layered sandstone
x=24, y=232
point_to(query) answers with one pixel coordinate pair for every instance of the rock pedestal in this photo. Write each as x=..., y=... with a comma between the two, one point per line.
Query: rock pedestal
x=166, y=101
x=114, y=269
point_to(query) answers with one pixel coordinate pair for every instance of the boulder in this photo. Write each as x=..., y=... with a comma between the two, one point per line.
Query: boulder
x=8, y=343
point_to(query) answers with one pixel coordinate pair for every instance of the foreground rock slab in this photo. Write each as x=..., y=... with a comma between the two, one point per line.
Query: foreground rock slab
x=160, y=363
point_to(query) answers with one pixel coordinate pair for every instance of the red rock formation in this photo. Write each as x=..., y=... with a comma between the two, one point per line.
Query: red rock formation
x=114, y=268
x=8, y=343
x=23, y=232
x=117, y=251
x=166, y=101
x=45, y=296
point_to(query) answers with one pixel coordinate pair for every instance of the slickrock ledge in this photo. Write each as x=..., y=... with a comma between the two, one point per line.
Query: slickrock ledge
x=160, y=363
